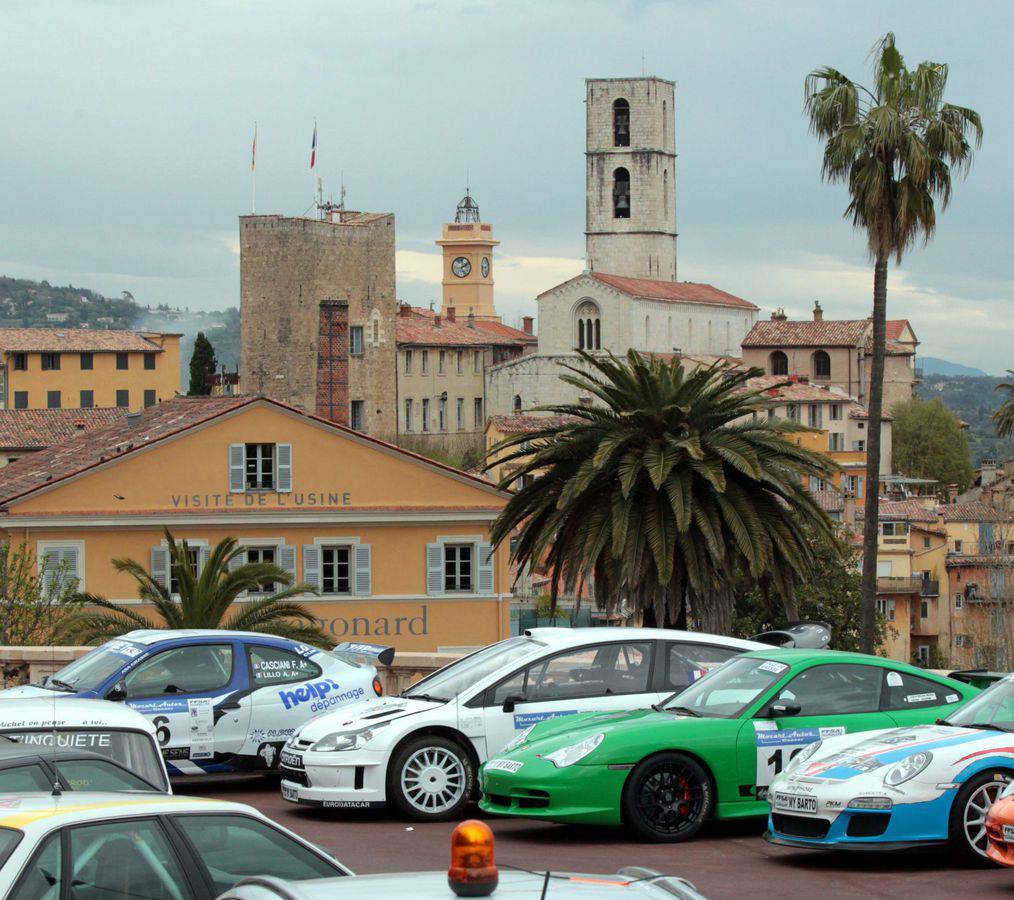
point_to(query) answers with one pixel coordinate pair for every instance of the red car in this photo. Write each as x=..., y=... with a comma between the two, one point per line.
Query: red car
x=1000, y=828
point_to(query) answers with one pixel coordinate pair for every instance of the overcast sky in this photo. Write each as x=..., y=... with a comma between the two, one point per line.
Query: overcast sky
x=126, y=126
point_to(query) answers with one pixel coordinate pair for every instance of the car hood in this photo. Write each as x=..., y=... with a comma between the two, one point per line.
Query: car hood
x=566, y=730
x=364, y=714
x=31, y=691
x=851, y=756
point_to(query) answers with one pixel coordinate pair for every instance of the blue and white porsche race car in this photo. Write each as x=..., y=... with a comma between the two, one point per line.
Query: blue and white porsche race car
x=221, y=701
x=901, y=787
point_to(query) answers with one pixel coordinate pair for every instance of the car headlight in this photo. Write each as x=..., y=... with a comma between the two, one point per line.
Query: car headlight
x=907, y=768
x=567, y=756
x=519, y=739
x=802, y=756
x=346, y=740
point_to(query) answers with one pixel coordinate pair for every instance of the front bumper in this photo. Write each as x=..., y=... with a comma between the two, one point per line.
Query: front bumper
x=355, y=780
x=539, y=790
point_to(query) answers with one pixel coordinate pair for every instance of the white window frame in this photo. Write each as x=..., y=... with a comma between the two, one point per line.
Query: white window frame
x=263, y=543
x=353, y=543
x=201, y=545
x=354, y=332
x=959, y=600
x=477, y=541
x=42, y=549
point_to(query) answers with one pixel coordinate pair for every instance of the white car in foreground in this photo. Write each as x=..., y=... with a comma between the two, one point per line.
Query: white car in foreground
x=420, y=752
x=88, y=845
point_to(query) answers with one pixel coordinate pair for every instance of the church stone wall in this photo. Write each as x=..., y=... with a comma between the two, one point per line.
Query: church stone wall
x=288, y=266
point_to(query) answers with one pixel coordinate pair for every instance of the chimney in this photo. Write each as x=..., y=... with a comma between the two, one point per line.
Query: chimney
x=133, y=419
x=436, y=320
x=818, y=313
x=528, y=324
x=779, y=315
x=988, y=472
x=405, y=311
x=450, y=314
x=952, y=493
x=471, y=320
x=848, y=512
x=333, y=361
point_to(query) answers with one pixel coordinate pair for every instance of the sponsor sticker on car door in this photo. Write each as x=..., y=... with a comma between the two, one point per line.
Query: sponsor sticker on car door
x=777, y=747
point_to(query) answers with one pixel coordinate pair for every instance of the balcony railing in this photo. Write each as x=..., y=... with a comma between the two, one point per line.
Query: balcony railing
x=929, y=588
x=889, y=584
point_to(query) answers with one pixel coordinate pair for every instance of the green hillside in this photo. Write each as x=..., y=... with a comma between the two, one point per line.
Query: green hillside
x=974, y=399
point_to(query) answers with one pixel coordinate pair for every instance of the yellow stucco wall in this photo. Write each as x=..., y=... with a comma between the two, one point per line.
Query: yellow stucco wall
x=104, y=379
x=343, y=487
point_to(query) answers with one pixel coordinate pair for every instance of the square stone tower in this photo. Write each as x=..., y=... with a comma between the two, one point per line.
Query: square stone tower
x=296, y=273
x=630, y=223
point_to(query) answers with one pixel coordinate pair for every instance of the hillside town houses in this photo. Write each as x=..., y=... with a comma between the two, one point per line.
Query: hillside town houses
x=361, y=412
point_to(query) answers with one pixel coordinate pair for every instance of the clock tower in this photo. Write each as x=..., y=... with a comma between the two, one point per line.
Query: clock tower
x=468, y=263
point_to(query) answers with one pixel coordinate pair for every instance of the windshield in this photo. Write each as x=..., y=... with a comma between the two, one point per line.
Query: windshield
x=728, y=690
x=93, y=669
x=452, y=679
x=994, y=706
x=133, y=750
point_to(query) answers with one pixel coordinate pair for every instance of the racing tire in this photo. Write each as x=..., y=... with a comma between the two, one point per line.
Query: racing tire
x=966, y=827
x=430, y=779
x=667, y=798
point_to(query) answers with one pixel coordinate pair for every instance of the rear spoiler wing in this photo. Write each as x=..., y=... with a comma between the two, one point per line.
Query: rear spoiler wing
x=804, y=635
x=980, y=678
x=383, y=655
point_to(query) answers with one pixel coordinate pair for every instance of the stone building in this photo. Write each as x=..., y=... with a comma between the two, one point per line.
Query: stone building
x=333, y=276
x=836, y=353
x=630, y=223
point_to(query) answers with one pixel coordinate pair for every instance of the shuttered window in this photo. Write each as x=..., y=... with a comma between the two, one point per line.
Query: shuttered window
x=339, y=569
x=60, y=568
x=161, y=567
x=260, y=467
x=261, y=555
x=459, y=568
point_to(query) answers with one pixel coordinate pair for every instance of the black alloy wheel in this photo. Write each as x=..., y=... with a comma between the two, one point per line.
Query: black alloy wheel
x=667, y=798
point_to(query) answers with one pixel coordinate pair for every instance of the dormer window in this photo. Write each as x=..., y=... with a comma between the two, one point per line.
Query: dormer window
x=621, y=123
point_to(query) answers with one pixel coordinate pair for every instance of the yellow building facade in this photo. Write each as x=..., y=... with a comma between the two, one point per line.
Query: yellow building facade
x=395, y=546
x=467, y=245
x=50, y=368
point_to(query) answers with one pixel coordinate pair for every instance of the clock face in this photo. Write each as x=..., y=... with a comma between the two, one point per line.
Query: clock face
x=461, y=266
x=485, y=267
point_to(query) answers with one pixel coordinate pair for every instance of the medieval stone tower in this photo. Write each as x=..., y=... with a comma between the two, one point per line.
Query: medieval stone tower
x=318, y=314
x=630, y=222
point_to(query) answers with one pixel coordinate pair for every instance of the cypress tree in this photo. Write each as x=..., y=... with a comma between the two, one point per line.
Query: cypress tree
x=202, y=366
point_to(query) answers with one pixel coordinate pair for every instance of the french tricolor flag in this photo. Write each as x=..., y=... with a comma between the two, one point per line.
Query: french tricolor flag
x=313, y=147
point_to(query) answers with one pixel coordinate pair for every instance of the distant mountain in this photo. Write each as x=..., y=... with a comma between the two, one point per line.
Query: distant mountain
x=931, y=365
x=974, y=399
x=41, y=305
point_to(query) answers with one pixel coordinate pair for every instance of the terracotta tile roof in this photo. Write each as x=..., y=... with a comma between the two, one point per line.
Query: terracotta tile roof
x=975, y=511
x=133, y=433
x=673, y=291
x=861, y=412
x=799, y=391
x=73, y=340
x=420, y=329
x=907, y=511
x=830, y=501
x=807, y=333
x=522, y=424
x=36, y=429
x=896, y=327
x=896, y=348
x=1000, y=561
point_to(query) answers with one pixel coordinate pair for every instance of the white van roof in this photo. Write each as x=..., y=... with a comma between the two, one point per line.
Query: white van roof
x=65, y=711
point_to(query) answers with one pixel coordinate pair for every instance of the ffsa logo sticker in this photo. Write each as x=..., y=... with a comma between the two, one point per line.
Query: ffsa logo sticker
x=320, y=693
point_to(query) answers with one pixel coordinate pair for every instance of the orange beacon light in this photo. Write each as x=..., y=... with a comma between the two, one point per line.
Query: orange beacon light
x=473, y=867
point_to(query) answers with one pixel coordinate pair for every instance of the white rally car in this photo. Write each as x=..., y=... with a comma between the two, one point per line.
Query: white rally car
x=220, y=701
x=93, y=846
x=902, y=787
x=420, y=751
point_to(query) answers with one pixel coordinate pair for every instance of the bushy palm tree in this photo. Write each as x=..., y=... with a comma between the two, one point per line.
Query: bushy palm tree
x=1004, y=416
x=667, y=492
x=204, y=601
x=894, y=145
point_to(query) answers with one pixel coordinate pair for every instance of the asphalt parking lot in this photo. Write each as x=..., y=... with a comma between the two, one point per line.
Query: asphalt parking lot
x=727, y=860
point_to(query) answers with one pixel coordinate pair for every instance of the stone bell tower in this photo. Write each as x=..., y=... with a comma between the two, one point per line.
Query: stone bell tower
x=630, y=223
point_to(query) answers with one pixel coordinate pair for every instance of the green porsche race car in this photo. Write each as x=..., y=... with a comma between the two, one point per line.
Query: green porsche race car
x=711, y=749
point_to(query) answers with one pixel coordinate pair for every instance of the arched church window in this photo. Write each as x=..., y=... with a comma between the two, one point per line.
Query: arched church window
x=621, y=194
x=621, y=123
x=821, y=364
x=779, y=363
x=517, y=403
x=589, y=330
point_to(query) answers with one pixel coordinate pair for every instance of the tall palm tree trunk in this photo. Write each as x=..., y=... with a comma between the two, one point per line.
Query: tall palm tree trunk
x=875, y=409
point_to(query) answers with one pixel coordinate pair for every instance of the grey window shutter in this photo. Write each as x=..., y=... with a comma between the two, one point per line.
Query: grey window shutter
x=311, y=566
x=160, y=566
x=283, y=468
x=485, y=552
x=50, y=566
x=238, y=560
x=364, y=569
x=203, y=553
x=237, y=463
x=287, y=559
x=434, y=569
x=69, y=571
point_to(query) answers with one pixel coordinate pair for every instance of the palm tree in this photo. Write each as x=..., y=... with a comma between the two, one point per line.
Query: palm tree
x=666, y=493
x=203, y=601
x=1004, y=416
x=894, y=146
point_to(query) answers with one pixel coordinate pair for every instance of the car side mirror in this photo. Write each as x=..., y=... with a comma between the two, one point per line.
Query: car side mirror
x=511, y=701
x=782, y=708
x=117, y=693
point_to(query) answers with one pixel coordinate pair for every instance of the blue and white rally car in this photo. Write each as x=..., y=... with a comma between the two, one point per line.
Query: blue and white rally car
x=901, y=787
x=221, y=701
